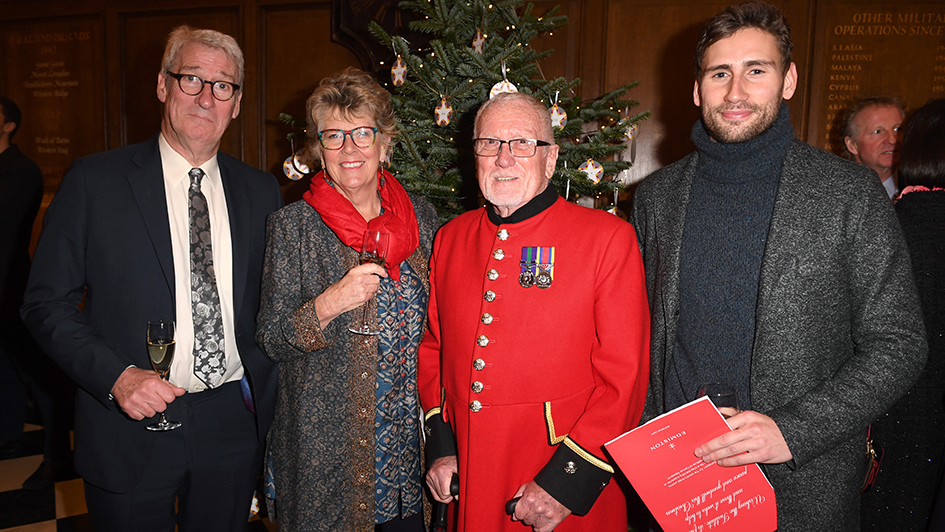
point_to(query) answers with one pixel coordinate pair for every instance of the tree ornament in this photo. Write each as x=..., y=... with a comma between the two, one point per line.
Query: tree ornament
x=558, y=117
x=613, y=208
x=479, y=42
x=398, y=72
x=503, y=86
x=592, y=169
x=290, y=170
x=432, y=162
x=297, y=165
x=444, y=112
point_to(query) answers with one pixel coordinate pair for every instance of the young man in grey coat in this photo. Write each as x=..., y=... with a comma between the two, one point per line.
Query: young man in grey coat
x=781, y=270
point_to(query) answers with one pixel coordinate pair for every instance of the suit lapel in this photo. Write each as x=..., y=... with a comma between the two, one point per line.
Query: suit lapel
x=239, y=211
x=786, y=239
x=672, y=220
x=147, y=185
x=780, y=256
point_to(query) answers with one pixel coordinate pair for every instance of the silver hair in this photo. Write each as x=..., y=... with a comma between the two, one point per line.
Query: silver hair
x=541, y=114
x=184, y=35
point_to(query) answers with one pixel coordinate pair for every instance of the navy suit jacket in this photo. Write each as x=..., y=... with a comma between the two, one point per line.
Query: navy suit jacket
x=106, y=238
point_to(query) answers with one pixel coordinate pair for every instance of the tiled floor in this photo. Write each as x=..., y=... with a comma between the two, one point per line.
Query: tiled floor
x=57, y=508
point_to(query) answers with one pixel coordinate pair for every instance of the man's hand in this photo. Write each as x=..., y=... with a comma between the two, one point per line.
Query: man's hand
x=755, y=439
x=439, y=477
x=538, y=509
x=141, y=393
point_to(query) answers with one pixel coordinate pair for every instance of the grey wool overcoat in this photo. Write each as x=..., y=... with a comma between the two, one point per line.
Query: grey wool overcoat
x=838, y=335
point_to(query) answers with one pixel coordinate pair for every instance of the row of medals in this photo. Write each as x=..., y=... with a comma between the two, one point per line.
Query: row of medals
x=528, y=278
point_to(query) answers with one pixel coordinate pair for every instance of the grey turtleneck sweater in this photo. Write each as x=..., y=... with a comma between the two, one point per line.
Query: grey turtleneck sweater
x=724, y=238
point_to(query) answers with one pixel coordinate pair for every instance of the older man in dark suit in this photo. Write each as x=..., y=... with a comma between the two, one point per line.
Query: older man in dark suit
x=779, y=269
x=170, y=229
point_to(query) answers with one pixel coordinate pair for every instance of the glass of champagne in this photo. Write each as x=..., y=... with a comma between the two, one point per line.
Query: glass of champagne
x=723, y=396
x=374, y=249
x=161, y=352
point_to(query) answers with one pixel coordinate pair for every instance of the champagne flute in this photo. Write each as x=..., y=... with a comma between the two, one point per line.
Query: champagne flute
x=374, y=249
x=723, y=396
x=161, y=352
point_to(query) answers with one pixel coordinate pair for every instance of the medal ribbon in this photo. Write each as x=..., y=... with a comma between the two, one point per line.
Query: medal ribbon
x=546, y=259
x=529, y=258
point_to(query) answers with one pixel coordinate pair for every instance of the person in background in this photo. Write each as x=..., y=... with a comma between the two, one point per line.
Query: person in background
x=779, y=269
x=912, y=432
x=871, y=136
x=23, y=366
x=21, y=190
x=344, y=451
x=171, y=229
x=537, y=349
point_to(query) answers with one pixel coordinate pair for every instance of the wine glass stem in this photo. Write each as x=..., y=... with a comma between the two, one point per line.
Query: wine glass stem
x=364, y=314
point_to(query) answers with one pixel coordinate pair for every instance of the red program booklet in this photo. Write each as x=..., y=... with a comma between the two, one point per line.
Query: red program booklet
x=684, y=493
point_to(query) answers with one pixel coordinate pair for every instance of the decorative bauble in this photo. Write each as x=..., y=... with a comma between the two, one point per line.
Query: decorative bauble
x=558, y=117
x=630, y=131
x=502, y=86
x=298, y=165
x=398, y=72
x=479, y=42
x=592, y=169
x=444, y=112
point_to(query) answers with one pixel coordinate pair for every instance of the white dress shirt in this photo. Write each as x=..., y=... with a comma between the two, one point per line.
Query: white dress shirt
x=176, y=185
x=890, y=185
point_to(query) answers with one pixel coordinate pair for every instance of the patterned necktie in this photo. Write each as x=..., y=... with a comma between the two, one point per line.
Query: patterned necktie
x=205, y=301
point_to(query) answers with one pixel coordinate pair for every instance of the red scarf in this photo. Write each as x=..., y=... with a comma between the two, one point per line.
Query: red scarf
x=399, y=218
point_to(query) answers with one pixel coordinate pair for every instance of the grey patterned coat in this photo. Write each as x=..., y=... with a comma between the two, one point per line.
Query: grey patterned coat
x=322, y=439
x=839, y=335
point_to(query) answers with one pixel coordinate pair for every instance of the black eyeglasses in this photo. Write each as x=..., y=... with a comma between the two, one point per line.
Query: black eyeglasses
x=192, y=85
x=334, y=139
x=487, y=147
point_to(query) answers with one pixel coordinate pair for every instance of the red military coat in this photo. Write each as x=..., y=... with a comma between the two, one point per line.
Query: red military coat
x=535, y=380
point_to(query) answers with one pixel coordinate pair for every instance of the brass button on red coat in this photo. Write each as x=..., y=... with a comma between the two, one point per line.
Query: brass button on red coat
x=486, y=318
x=503, y=234
x=479, y=364
x=483, y=340
x=477, y=387
x=492, y=274
x=489, y=296
x=498, y=254
x=475, y=406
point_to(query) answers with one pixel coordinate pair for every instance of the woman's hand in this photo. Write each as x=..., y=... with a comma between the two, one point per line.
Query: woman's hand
x=350, y=292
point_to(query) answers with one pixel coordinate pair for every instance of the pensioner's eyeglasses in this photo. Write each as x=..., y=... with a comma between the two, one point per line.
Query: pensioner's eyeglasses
x=487, y=147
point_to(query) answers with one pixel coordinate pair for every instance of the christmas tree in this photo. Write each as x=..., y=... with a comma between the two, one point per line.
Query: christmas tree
x=476, y=47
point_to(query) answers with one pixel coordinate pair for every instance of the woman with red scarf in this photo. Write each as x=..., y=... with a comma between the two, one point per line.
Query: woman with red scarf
x=344, y=449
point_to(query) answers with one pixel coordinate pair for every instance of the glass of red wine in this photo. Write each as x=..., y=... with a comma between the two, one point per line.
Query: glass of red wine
x=374, y=249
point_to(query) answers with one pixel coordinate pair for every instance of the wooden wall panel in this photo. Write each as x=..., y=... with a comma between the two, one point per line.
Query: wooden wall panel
x=873, y=48
x=653, y=42
x=565, y=42
x=297, y=54
x=288, y=49
x=53, y=69
x=142, y=37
